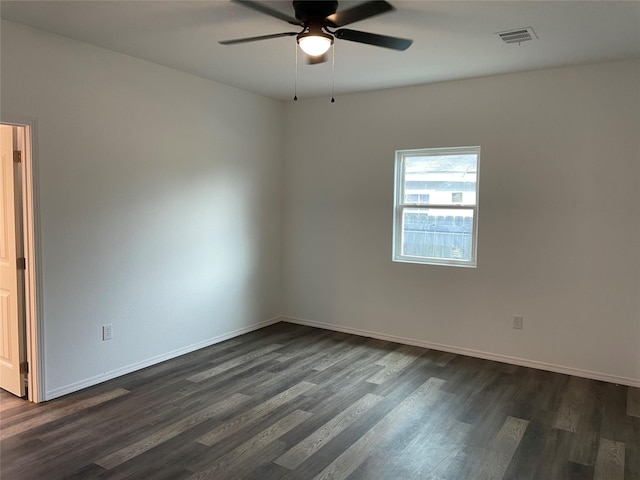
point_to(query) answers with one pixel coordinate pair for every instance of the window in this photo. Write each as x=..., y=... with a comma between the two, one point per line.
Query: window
x=436, y=206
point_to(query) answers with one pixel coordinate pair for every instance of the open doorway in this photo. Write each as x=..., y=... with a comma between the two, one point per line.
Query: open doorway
x=20, y=345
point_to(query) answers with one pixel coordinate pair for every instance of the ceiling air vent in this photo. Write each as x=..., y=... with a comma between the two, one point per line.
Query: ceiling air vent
x=517, y=35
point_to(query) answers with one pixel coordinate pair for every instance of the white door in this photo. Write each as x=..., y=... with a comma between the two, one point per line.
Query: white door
x=12, y=349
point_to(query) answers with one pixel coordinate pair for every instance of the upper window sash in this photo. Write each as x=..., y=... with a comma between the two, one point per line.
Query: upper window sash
x=463, y=191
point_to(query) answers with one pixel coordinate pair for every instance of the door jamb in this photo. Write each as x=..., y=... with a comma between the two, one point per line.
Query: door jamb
x=33, y=272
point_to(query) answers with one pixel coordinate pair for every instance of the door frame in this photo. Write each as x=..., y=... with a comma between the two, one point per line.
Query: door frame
x=34, y=327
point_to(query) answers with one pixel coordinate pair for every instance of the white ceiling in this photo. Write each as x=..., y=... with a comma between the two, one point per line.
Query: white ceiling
x=452, y=39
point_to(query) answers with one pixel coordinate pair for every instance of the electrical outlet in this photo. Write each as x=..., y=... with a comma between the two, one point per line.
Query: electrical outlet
x=107, y=332
x=518, y=321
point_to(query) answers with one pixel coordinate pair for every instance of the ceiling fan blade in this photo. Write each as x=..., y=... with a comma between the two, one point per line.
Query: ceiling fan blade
x=255, y=39
x=359, y=12
x=262, y=8
x=385, y=41
x=316, y=59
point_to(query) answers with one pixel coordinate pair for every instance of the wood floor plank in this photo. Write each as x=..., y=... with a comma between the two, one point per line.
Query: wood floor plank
x=578, y=471
x=170, y=431
x=304, y=344
x=395, y=362
x=610, y=461
x=569, y=412
x=633, y=402
x=468, y=380
x=444, y=359
x=249, y=380
x=204, y=375
x=428, y=448
x=324, y=349
x=253, y=415
x=339, y=357
x=325, y=405
x=8, y=402
x=222, y=349
x=85, y=444
x=615, y=421
x=401, y=354
x=584, y=447
x=237, y=460
x=303, y=450
x=150, y=405
x=389, y=372
x=270, y=471
x=173, y=455
x=502, y=449
x=346, y=463
x=238, y=372
x=489, y=411
x=270, y=451
x=54, y=414
x=557, y=446
x=338, y=376
x=441, y=435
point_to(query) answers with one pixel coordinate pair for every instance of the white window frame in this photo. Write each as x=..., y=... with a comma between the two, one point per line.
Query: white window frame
x=400, y=206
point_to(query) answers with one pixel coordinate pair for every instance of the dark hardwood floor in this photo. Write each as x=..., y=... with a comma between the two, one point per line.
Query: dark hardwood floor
x=293, y=402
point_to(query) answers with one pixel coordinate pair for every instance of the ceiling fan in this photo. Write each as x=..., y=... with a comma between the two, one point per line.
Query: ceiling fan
x=318, y=20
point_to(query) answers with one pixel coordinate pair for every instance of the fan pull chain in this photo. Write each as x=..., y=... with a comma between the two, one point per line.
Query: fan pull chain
x=295, y=87
x=333, y=72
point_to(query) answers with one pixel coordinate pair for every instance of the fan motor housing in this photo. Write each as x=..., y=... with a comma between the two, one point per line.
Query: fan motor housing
x=314, y=10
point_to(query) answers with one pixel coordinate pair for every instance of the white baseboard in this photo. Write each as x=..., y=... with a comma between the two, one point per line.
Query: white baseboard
x=632, y=382
x=89, y=382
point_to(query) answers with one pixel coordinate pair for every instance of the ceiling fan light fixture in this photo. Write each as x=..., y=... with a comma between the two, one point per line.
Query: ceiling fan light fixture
x=315, y=43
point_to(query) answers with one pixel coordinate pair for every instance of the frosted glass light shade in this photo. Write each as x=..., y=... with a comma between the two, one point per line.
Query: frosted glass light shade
x=314, y=44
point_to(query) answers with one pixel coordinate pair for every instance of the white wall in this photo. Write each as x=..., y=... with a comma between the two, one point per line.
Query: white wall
x=160, y=205
x=559, y=216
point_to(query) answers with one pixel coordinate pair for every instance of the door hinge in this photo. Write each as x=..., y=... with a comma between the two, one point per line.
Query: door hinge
x=21, y=263
x=24, y=367
x=17, y=156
